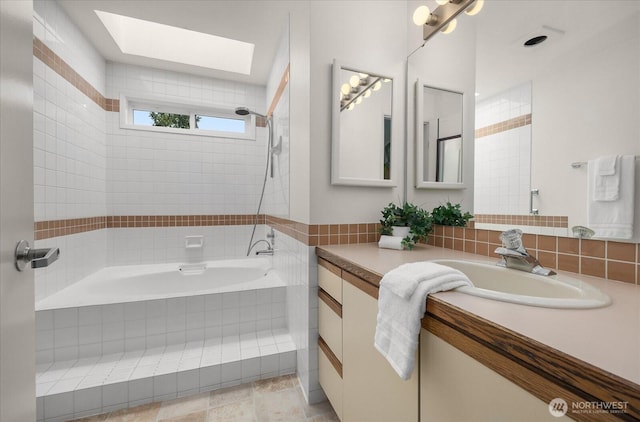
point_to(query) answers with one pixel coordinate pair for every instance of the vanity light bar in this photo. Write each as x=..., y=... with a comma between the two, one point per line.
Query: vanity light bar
x=442, y=15
x=345, y=103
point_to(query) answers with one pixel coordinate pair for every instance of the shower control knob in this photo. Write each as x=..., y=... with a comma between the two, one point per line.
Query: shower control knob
x=38, y=258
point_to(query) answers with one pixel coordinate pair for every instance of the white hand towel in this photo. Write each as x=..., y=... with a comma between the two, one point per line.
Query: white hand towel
x=398, y=321
x=613, y=219
x=607, y=178
x=390, y=242
x=404, y=280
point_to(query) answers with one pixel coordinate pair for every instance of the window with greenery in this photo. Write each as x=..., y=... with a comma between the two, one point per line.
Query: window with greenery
x=171, y=118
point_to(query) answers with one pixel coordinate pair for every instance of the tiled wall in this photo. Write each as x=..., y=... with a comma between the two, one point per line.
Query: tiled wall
x=600, y=258
x=69, y=147
x=503, y=152
x=89, y=331
x=151, y=173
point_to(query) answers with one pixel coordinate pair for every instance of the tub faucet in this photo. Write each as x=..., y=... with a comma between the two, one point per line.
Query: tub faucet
x=515, y=256
x=268, y=251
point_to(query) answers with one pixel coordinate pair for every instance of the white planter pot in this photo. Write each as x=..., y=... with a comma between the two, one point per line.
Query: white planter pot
x=400, y=231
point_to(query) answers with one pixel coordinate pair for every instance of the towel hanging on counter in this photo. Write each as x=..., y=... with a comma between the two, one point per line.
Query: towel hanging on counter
x=611, y=197
x=402, y=303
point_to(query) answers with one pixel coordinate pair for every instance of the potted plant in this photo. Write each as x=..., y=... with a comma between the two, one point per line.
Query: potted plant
x=450, y=215
x=416, y=222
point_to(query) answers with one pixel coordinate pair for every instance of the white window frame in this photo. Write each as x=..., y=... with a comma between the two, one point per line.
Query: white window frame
x=128, y=104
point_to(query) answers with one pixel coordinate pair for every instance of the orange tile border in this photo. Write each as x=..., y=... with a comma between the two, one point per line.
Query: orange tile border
x=523, y=220
x=514, y=123
x=51, y=59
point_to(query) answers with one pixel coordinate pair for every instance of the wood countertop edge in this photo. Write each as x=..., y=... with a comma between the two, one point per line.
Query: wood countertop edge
x=582, y=379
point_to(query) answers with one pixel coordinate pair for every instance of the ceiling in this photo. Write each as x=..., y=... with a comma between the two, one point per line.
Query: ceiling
x=503, y=27
x=259, y=22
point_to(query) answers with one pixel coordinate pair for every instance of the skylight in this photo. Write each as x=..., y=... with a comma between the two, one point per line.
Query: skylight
x=158, y=41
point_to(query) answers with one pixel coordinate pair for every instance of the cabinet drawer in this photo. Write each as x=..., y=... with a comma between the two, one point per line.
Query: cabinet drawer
x=330, y=381
x=330, y=328
x=329, y=281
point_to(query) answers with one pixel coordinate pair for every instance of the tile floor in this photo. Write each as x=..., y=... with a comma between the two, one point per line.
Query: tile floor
x=275, y=399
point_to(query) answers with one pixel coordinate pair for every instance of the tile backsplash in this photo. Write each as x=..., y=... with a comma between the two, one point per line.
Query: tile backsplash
x=600, y=258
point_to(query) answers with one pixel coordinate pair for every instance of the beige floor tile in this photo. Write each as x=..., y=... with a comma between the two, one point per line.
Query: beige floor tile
x=311, y=410
x=144, y=413
x=97, y=418
x=279, y=406
x=239, y=411
x=275, y=384
x=200, y=416
x=183, y=406
x=330, y=417
x=230, y=395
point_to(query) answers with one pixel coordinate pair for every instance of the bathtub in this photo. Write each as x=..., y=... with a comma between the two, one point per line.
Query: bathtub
x=129, y=335
x=134, y=283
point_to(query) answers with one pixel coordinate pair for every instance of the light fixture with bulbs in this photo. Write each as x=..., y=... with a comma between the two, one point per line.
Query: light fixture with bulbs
x=359, y=87
x=443, y=18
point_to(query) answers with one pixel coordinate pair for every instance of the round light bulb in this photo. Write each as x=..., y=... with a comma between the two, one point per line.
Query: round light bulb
x=475, y=8
x=354, y=81
x=345, y=89
x=358, y=100
x=363, y=75
x=377, y=86
x=442, y=2
x=367, y=93
x=451, y=26
x=351, y=106
x=421, y=15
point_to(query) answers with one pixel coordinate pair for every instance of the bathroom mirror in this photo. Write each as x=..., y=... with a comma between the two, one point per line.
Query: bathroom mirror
x=578, y=92
x=438, y=120
x=361, y=128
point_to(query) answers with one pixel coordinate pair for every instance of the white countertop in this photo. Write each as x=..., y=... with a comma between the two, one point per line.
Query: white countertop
x=608, y=338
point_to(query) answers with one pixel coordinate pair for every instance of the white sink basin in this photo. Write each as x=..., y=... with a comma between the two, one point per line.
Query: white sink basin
x=508, y=285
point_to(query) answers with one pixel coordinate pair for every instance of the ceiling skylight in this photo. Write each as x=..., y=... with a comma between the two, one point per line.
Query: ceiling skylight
x=158, y=41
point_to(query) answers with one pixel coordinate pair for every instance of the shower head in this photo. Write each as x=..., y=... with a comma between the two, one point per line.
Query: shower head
x=243, y=111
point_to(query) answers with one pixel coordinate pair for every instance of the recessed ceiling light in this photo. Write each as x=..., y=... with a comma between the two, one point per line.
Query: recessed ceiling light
x=164, y=42
x=535, y=40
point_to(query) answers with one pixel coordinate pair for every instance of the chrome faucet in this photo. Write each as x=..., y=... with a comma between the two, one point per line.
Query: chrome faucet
x=515, y=256
x=270, y=243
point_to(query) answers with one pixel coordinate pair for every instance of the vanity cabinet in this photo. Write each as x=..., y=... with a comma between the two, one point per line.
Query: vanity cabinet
x=455, y=387
x=358, y=381
x=330, y=333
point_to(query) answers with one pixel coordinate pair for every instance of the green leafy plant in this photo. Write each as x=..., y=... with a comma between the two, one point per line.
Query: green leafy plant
x=450, y=215
x=418, y=220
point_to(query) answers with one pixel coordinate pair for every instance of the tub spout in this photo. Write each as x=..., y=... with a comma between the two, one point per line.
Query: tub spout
x=268, y=251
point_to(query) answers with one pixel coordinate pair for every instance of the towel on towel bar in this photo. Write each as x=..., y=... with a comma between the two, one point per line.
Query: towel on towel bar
x=402, y=303
x=613, y=218
x=607, y=178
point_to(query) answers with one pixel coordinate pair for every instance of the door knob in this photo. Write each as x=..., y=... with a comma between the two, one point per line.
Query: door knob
x=38, y=258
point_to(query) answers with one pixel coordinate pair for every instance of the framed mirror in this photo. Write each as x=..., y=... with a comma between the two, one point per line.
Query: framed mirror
x=438, y=137
x=362, y=118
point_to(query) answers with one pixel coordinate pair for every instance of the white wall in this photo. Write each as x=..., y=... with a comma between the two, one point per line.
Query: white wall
x=446, y=62
x=369, y=35
x=596, y=115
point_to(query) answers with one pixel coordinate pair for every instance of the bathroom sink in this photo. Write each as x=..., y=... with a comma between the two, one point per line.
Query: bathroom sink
x=508, y=285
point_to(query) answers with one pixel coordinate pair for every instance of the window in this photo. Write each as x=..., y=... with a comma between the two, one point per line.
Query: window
x=159, y=116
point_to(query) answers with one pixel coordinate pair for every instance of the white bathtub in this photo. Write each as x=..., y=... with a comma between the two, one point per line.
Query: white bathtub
x=160, y=281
